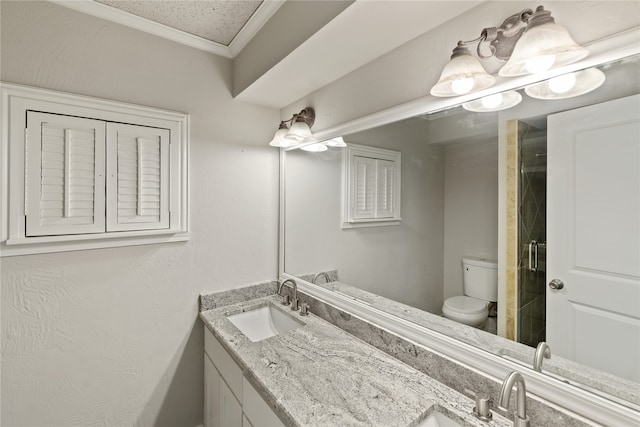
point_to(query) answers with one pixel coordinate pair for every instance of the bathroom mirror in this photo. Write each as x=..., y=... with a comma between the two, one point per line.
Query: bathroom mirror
x=450, y=163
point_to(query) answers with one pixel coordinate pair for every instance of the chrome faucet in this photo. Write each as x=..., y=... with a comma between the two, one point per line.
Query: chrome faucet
x=520, y=418
x=285, y=298
x=542, y=351
x=321, y=274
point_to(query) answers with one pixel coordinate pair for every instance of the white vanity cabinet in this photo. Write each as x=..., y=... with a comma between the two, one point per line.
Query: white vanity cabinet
x=229, y=399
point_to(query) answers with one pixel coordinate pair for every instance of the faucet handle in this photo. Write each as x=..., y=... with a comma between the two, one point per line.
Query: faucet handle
x=304, y=309
x=481, y=410
x=294, y=304
x=285, y=299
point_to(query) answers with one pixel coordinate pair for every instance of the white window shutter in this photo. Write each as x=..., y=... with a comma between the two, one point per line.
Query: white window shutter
x=364, y=187
x=385, y=202
x=138, y=177
x=64, y=175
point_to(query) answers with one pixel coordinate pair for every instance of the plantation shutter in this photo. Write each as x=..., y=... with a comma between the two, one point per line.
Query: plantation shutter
x=138, y=177
x=64, y=177
x=364, y=187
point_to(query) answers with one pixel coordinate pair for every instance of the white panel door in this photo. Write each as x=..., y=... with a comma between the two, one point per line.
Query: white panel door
x=593, y=229
x=64, y=175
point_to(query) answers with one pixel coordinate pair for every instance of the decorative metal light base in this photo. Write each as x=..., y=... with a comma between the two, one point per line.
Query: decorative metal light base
x=308, y=115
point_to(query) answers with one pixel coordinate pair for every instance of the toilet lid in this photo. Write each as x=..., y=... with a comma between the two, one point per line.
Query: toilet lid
x=464, y=304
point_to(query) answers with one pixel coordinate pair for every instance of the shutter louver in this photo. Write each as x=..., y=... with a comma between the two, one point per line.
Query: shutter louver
x=138, y=184
x=64, y=176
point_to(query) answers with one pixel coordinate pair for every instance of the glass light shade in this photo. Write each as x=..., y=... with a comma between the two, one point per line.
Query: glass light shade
x=336, y=142
x=315, y=148
x=279, y=139
x=496, y=102
x=542, y=48
x=299, y=131
x=557, y=88
x=563, y=83
x=462, y=74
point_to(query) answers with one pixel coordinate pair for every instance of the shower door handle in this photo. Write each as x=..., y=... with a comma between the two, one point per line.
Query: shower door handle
x=533, y=256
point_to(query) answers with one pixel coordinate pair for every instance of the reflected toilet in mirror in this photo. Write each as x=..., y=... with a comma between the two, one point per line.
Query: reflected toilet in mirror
x=480, y=284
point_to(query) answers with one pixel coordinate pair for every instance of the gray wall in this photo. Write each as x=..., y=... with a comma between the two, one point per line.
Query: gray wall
x=470, y=206
x=401, y=262
x=449, y=210
x=111, y=337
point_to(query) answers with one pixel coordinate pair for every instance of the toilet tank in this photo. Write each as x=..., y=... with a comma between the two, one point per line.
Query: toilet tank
x=480, y=278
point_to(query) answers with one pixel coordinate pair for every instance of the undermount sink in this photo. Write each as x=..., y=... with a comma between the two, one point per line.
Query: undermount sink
x=262, y=322
x=438, y=419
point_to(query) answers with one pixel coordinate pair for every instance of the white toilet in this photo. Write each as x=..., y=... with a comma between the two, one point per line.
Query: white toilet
x=480, y=283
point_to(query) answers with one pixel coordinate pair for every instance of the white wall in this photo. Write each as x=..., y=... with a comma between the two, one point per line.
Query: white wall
x=111, y=337
x=470, y=206
x=402, y=262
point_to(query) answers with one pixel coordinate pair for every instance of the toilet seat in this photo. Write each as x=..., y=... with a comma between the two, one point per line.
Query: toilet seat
x=466, y=310
x=466, y=305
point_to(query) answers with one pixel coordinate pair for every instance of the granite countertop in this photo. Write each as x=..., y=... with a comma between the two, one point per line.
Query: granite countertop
x=320, y=375
x=591, y=379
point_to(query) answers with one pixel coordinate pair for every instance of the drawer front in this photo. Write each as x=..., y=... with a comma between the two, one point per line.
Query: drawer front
x=227, y=367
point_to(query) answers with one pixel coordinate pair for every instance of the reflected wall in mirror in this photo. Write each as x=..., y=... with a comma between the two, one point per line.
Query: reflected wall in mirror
x=450, y=210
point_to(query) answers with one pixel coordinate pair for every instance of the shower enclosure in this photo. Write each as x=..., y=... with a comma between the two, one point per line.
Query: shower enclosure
x=531, y=230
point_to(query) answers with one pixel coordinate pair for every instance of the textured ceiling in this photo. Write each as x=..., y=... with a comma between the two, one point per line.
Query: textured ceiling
x=214, y=20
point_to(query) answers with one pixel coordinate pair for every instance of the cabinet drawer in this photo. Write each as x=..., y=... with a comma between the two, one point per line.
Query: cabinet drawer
x=227, y=367
x=256, y=409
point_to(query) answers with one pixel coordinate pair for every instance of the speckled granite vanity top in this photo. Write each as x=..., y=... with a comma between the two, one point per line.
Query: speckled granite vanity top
x=319, y=375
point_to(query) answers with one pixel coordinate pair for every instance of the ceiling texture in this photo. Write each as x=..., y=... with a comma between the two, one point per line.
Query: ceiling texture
x=214, y=20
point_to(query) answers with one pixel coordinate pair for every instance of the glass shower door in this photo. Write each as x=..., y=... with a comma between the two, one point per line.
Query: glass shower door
x=532, y=224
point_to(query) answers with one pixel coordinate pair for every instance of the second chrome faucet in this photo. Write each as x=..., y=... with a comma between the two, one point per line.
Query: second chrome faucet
x=520, y=418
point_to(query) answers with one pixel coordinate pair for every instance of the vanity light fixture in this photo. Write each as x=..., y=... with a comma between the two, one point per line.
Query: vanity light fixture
x=299, y=130
x=462, y=74
x=543, y=46
x=567, y=85
x=529, y=41
x=495, y=102
x=279, y=139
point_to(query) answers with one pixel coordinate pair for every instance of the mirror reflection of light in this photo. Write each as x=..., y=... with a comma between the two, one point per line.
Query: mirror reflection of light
x=492, y=101
x=495, y=102
x=336, y=142
x=567, y=85
x=562, y=84
x=540, y=63
x=315, y=148
x=462, y=86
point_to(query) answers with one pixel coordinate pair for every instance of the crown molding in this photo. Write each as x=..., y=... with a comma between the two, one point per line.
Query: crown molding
x=265, y=11
x=260, y=17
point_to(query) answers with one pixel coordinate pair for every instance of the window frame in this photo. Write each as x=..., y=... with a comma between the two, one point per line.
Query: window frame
x=16, y=101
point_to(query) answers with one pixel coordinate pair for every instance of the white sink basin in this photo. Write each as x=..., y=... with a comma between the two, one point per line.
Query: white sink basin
x=263, y=322
x=438, y=419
